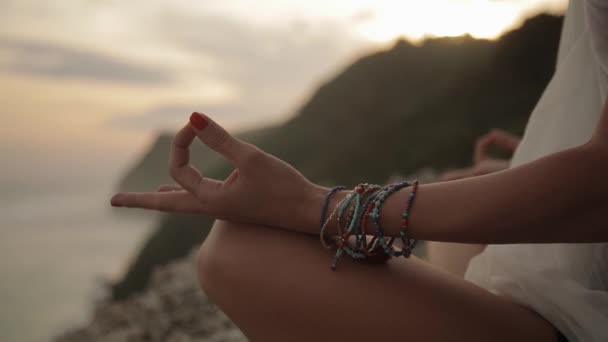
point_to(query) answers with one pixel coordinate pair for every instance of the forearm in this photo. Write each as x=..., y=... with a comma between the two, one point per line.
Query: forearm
x=558, y=198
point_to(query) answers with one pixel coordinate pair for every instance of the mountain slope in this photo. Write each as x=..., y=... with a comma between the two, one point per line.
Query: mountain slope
x=396, y=110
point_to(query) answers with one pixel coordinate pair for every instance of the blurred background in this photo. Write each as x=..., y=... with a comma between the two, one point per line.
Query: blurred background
x=91, y=91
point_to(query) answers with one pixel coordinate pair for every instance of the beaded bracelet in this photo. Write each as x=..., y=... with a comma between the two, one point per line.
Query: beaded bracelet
x=355, y=195
x=375, y=215
x=322, y=236
x=362, y=219
x=408, y=244
x=326, y=204
x=358, y=195
x=355, y=227
x=363, y=201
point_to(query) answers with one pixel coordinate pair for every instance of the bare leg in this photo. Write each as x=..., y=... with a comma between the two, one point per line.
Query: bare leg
x=277, y=286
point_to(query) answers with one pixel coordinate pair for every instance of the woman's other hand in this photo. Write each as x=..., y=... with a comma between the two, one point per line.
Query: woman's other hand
x=262, y=189
x=482, y=162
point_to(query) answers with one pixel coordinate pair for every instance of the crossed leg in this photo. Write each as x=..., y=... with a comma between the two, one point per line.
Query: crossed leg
x=277, y=286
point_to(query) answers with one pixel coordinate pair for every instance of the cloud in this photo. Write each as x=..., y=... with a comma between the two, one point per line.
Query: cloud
x=170, y=117
x=64, y=62
x=165, y=117
x=298, y=48
x=363, y=16
x=268, y=66
x=273, y=66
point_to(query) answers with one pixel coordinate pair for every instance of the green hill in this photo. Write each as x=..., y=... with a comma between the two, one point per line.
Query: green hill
x=399, y=110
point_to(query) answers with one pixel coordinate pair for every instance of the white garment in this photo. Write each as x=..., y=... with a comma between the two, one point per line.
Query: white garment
x=565, y=283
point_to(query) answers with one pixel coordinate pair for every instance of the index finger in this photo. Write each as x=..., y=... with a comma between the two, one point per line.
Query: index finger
x=181, y=170
x=180, y=151
x=218, y=139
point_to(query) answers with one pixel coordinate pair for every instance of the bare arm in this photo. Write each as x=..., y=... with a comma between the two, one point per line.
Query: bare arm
x=558, y=198
x=562, y=197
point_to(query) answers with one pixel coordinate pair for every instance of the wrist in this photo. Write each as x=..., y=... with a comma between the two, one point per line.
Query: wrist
x=312, y=208
x=309, y=213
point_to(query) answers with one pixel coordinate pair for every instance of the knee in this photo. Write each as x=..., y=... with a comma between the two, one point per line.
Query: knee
x=208, y=261
x=216, y=257
x=204, y=265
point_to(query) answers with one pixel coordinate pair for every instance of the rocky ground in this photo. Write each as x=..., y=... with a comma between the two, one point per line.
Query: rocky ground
x=172, y=309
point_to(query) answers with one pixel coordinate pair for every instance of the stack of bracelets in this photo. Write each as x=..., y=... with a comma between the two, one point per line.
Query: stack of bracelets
x=352, y=213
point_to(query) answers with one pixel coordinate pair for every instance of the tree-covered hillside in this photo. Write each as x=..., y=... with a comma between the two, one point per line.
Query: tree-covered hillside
x=398, y=110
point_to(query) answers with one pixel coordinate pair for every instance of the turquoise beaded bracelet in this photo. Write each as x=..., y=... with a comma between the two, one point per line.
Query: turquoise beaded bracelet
x=365, y=201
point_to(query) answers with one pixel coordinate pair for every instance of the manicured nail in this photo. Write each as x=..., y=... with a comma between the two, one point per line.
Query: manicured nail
x=115, y=201
x=198, y=121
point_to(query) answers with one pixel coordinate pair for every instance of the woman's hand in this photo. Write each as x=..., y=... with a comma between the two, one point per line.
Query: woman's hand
x=262, y=189
x=482, y=162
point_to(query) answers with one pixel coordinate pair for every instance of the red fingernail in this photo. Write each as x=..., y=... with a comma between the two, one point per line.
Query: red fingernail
x=198, y=121
x=115, y=201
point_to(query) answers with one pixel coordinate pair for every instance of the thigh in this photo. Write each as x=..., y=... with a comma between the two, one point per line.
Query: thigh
x=277, y=286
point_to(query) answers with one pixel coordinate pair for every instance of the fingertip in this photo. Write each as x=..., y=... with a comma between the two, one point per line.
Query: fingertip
x=116, y=201
x=198, y=120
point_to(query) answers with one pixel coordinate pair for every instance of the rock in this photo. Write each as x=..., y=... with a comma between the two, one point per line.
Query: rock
x=172, y=309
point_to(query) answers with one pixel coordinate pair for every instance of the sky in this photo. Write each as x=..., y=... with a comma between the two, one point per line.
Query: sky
x=87, y=84
x=85, y=87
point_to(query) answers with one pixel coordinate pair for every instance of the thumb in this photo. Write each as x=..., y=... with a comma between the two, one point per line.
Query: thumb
x=219, y=140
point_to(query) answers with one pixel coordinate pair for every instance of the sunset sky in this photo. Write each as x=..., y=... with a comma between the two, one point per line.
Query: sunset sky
x=88, y=83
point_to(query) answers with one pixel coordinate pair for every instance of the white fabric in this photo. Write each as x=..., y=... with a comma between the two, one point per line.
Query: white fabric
x=565, y=283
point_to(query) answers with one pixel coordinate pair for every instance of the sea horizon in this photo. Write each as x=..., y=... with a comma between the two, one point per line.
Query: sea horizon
x=59, y=243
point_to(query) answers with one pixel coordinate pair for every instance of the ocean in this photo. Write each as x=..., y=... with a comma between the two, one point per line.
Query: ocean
x=59, y=243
